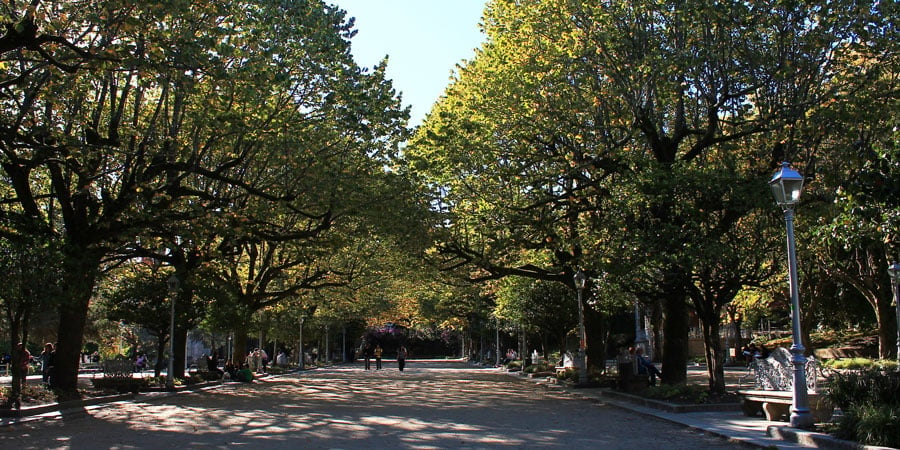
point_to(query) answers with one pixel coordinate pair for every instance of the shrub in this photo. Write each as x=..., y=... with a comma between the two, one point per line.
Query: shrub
x=858, y=363
x=32, y=393
x=680, y=392
x=121, y=385
x=535, y=368
x=569, y=374
x=870, y=400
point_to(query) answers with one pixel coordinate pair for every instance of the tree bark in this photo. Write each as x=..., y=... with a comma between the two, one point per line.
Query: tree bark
x=715, y=357
x=675, y=344
x=79, y=276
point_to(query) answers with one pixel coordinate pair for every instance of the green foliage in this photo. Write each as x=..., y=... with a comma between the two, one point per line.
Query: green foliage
x=31, y=393
x=873, y=424
x=870, y=400
x=536, y=368
x=121, y=385
x=859, y=363
x=678, y=392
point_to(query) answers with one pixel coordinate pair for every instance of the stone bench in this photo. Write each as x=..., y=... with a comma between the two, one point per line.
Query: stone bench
x=772, y=393
x=776, y=405
x=118, y=367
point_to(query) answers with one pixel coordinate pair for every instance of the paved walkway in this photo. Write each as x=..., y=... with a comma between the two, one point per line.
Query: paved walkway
x=433, y=404
x=730, y=424
x=462, y=397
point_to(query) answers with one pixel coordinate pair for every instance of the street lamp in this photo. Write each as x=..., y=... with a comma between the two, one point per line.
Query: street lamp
x=172, y=284
x=894, y=272
x=786, y=187
x=580, y=280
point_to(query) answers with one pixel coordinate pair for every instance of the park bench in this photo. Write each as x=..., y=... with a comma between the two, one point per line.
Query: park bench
x=118, y=367
x=629, y=379
x=772, y=392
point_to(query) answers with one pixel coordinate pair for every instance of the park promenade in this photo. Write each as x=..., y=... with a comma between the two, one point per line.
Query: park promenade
x=434, y=404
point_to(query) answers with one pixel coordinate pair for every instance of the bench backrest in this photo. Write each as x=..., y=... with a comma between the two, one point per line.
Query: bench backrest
x=776, y=373
x=118, y=367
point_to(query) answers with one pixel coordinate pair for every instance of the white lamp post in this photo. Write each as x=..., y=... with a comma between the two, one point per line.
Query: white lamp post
x=580, y=280
x=786, y=187
x=172, y=284
x=894, y=272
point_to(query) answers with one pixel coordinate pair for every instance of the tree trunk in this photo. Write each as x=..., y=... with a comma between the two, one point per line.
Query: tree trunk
x=79, y=275
x=715, y=358
x=180, y=341
x=675, y=342
x=161, y=361
x=15, y=390
x=240, y=346
x=595, y=333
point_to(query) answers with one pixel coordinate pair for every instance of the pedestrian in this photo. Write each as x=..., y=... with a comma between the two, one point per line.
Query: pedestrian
x=47, y=357
x=367, y=356
x=378, y=352
x=263, y=360
x=24, y=357
x=401, y=357
x=140, y=364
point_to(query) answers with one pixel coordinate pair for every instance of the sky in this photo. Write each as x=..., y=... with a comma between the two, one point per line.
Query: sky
x=424, y=40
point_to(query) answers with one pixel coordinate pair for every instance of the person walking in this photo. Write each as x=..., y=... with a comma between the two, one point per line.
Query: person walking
x=47, y=357
x=401, y=357
x=23, y=360
x=367, y=356
x=378, y=352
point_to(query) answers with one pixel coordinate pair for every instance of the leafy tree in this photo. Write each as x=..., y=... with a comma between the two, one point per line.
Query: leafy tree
x=184, y=96
x=572, y=107
x=32, y=276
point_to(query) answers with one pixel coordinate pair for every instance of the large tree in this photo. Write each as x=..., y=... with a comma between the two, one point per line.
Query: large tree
x=180, y=92
x=572, y=107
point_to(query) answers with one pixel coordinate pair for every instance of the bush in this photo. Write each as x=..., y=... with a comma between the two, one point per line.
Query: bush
x=679, y=392
x=121, y=385
x=870, y=400
x=535, y=368
x=32, y=393
x=859, y=363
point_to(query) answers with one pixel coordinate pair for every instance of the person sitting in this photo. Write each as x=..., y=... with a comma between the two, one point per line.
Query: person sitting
x=645, y=366
x=212, y=364
x=244, y=374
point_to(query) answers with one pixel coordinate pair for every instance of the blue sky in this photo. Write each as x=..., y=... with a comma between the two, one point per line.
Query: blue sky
x=424, y=40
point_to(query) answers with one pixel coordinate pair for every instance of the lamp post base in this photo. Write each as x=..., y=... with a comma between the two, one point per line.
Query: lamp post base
x=802, y=419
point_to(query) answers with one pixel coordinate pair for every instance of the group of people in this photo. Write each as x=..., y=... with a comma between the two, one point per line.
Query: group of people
x=24, y=359
x=377, y=352
x=751, y=351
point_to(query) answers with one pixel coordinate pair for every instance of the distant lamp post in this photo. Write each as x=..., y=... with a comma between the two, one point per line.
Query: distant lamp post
x=894, y=272
x=173, y=284
x=580, y=281
x=786, y=187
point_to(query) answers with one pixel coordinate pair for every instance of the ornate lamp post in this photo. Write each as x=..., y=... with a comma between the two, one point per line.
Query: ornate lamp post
x=580, y=280
x=786, y=187
x=894, y=272
x=173, y=284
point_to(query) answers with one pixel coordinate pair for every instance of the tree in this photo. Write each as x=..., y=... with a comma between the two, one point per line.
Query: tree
x=183, y=98
x=595, y=103
x=31, y=277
